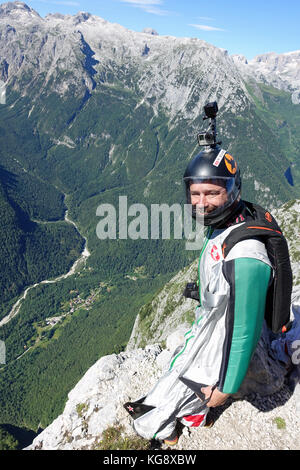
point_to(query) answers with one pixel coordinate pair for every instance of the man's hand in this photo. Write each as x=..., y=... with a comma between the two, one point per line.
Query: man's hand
x=217, y=398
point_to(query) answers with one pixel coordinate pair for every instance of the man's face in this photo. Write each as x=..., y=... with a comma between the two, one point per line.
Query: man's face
x=207, y=197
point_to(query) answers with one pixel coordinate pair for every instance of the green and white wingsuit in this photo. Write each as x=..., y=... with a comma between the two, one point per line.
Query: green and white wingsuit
x=219, y=346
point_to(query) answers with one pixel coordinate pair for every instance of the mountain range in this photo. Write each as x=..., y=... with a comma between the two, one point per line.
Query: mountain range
x=94, y=111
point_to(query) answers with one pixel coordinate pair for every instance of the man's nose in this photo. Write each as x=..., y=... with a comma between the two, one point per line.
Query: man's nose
x=202, y=200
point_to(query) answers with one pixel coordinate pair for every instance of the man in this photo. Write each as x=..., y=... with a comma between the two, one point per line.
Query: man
x=213, y=188
x=212, y=363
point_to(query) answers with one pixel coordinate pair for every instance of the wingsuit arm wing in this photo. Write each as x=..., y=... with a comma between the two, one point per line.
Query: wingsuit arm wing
x=248, y=279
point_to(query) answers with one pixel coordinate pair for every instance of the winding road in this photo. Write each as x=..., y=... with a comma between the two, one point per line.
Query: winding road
x=84, y=255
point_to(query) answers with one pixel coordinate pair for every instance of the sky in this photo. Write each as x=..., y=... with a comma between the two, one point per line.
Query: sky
x=242, y=27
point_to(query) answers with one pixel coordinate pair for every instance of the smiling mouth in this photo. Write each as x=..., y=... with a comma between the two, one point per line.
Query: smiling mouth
x=202, y=211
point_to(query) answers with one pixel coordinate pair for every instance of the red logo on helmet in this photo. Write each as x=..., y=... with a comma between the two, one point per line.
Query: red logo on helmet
x=214, y=253
x=268, y=216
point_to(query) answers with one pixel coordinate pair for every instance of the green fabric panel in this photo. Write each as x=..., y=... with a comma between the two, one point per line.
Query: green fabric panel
x=182, y=351
x=251, y=285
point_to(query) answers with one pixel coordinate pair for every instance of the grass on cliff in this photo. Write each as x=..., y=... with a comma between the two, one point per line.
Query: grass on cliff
x=113, y=438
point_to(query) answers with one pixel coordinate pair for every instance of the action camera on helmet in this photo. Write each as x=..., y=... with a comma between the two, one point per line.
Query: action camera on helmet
x=209, y=138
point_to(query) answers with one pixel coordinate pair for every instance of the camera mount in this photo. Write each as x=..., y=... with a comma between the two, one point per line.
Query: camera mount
x=209, y=138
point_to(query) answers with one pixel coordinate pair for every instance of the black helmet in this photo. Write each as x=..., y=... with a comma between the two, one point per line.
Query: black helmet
x=215, y=165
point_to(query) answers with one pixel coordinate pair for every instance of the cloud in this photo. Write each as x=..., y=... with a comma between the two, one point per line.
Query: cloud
x=150, y=6
x=205, y=27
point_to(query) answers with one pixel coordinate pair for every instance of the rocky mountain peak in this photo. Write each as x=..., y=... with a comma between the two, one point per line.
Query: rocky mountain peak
x=17, y=11
x=170, y=75
x=239, y=58
x=278, y=70
x=81, y=17
x=58, y=16
x=55, y=42
x=150, y=31
x=273, y=57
